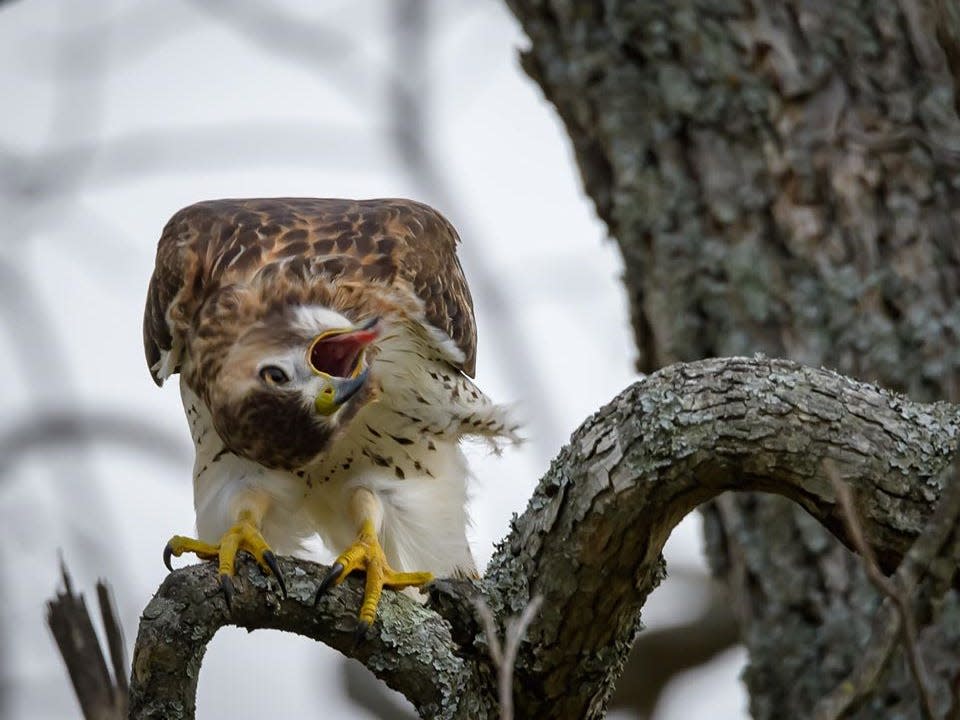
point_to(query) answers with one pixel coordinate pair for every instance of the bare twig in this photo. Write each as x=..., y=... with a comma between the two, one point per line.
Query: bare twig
x=516, y=630
x=490, y=631
x=896, y=615
x=101, y=696
x=115, y=642
x=504, y=656
x=894, y=593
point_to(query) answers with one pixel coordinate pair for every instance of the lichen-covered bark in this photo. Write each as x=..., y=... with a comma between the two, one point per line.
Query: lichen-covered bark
x=590, y=540
x=410, y=650
x=775, y=173
x=780, y=177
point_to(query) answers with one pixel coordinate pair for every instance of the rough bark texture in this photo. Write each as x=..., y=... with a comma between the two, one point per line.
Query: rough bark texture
x=780, y=176
x=590, y=540
x=411, y=649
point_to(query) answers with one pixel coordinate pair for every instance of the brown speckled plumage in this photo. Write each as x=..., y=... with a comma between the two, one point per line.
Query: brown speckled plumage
x=297, y=250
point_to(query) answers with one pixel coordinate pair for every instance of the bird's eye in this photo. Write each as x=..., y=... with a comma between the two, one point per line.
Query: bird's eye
x=272, y=375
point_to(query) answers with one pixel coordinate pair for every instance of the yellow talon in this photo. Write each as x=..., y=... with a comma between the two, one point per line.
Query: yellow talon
x=367, y=554
x=244, y=535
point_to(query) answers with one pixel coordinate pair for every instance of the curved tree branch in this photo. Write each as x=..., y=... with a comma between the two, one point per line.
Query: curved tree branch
x=591, y=537
x=410, y=647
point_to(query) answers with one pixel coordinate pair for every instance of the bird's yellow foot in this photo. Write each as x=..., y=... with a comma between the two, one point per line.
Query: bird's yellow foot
x=242, y=536
x=366, y=554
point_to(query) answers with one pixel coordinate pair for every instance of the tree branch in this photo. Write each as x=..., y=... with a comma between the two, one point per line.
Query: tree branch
x=409, y=648
x=591, y=538
x=504, y=654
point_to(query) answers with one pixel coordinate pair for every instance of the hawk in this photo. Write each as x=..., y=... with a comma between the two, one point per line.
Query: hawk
x=325, y=350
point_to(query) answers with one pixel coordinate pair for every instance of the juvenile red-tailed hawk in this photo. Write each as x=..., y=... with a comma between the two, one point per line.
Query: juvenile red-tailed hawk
x=325, y=349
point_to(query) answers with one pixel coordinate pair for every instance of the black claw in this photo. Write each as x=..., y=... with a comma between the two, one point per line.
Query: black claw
x=167, y=554
x=328, y=580
x=360, y=634
x=271, y=560
x=226, y=584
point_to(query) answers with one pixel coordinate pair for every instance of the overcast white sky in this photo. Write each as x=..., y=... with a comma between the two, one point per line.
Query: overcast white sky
x=140, y=108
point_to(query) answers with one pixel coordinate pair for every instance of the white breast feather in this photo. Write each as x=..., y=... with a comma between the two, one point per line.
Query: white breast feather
x=405, y=448
x=220, y=478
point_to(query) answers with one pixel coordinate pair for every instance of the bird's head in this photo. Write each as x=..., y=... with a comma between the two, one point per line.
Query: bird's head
x=288, y=382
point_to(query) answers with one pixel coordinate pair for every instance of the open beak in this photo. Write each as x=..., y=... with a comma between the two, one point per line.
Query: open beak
x=337, y=357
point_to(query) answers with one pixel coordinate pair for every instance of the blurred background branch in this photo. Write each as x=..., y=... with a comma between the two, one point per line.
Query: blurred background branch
x=81, y=427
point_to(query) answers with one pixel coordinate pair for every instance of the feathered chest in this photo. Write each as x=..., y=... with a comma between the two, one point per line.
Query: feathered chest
x=420, y=404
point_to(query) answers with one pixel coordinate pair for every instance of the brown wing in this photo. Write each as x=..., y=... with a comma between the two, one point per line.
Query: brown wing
x=392, y=242
x=177, y=263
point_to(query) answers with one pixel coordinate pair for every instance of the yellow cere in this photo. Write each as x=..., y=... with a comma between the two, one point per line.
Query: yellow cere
x=325, y=403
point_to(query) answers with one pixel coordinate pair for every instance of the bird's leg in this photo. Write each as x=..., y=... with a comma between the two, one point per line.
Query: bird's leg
x=243, y=535
x=367, y=554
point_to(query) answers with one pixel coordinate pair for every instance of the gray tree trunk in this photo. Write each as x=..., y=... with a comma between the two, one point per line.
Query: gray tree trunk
x=781, y=177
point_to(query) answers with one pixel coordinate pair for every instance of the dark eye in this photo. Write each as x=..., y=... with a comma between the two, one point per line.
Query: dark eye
x=272, y=375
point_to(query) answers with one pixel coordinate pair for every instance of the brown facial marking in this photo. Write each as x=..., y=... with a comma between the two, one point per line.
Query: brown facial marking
x=273, y=428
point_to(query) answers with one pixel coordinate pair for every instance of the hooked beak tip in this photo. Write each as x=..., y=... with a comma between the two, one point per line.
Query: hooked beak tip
x=338, y=391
